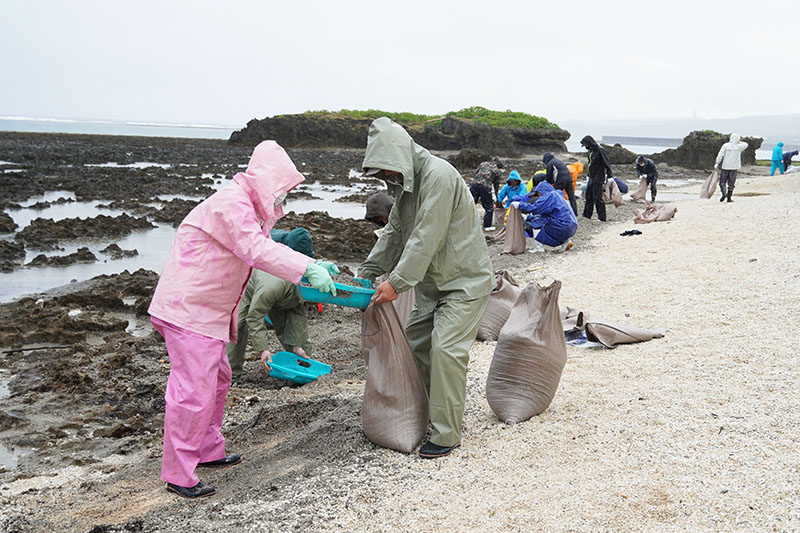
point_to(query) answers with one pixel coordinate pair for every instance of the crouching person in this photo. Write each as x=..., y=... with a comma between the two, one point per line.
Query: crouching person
x=194, y=306
x=550, y=221
x=278, y=299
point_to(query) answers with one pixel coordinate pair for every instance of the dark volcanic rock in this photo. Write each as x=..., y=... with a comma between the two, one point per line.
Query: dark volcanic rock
x=7, y=224
x=448, y=134
x=174, y=211
x=45, y=232
x=334, y=238
x=699, y=150
x=83, y=255
x=118, y=253
x=469, y=158
x=11, y=255
x=617, y=155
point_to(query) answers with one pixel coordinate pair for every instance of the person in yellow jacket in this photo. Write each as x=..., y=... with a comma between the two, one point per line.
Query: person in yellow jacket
x=432, y=243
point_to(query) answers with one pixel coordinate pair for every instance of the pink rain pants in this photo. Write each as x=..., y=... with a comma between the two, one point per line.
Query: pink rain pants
x=199, y=379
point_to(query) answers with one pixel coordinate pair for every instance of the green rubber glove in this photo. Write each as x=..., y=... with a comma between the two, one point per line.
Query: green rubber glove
x=319, y=278
x=332, y=269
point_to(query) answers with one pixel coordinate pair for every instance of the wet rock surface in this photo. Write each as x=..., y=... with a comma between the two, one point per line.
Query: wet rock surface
x=118, y=253
x=334, y=238
x=12, y=254
x=83, y=255
x=45, y=233
x=7, y=224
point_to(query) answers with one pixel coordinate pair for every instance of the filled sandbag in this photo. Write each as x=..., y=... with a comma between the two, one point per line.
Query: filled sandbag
x=611, y=194
x=395, y=409
x=514, y=240
x=499, y=215
x=654, y=213
x=710, y=185
x=641, y=192
x=610, y=334
x=501, y=300
x=529, y=356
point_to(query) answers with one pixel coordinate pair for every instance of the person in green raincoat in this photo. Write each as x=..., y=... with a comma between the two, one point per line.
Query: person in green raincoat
x=432, y=243
x=268, y=295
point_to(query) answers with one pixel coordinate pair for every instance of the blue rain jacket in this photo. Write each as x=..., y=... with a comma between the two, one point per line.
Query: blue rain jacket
x=551, y=213
x=777, y=153
x=508, y=192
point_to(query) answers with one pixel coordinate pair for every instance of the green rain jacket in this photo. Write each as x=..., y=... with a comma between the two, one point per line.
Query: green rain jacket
x=432, y=241
x=269, y=295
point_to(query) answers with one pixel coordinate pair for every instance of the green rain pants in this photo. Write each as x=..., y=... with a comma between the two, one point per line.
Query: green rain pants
x=440, y=340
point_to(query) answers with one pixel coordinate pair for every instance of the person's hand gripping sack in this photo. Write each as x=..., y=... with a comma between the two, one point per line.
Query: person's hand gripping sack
x=320, y=279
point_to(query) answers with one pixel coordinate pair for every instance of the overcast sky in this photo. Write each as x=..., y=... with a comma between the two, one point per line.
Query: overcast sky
x=225, y=62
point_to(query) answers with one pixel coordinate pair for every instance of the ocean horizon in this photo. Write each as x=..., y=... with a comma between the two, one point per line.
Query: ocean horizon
x=114, y=127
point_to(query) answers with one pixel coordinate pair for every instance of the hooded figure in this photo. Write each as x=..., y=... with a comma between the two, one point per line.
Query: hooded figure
x=434, y=244
x=487, y=177
x=787, y=159
x=194, y=306
x=730, y=155
x=268, y=295
x=512, y=188
x=646, y=169
x=551, y=215
x=560, y=177
x=777, y=159
x=599, y=169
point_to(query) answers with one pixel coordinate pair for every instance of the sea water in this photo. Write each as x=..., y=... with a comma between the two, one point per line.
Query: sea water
x=152, y=245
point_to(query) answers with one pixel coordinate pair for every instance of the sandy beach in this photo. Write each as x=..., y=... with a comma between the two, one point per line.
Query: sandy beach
x=693, y=431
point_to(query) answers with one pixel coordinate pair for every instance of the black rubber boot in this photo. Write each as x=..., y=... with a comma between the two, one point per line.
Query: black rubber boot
x=724, y=192
x=730, y=193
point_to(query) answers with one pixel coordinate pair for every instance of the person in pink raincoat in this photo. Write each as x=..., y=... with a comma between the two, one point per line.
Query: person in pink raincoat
x=195, y=306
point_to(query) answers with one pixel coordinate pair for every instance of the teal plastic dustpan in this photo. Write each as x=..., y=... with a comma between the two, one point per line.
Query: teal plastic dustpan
x=346, y=295
x=292, y=367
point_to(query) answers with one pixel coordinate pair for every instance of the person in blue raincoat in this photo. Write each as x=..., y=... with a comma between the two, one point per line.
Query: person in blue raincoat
x=512, y=188
x=777, y=159
x=550, y=214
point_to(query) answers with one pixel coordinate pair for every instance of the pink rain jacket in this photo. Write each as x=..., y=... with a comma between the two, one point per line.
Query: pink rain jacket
x=221, y=240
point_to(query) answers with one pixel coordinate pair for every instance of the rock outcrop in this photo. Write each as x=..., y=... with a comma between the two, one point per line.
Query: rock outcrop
x=450, y=133
x=699, y=150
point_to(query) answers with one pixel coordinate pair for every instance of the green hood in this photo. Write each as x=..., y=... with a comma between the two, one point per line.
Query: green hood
x=390, y=147
x=433, y=241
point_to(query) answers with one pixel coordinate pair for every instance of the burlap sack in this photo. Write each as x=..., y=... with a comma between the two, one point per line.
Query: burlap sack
x=610, y=334
x=501, y=300
x=514, y=242
x=529, y=356
x=611, y=194
x=639, y=194
x=654, y=213
x=710, y=185
x=499, y=215
x=395, y=409
x=569, y=319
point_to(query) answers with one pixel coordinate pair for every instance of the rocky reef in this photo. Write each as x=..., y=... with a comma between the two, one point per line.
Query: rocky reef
x=450, y=133
x=699, y=150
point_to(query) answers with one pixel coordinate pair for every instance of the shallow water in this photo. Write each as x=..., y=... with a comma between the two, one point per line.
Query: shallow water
x=152, y=245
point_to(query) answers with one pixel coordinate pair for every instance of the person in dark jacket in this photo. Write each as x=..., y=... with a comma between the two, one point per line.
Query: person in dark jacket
x=646, y=168
x=787, y=159
x=559, y=176
x=549, y=213
x=487, y=176
x=598, y=169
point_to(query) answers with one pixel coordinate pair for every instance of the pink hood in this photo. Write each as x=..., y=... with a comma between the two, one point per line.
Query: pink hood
x=219, y=242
